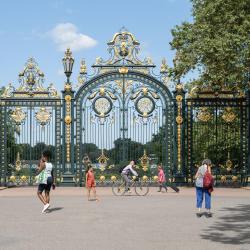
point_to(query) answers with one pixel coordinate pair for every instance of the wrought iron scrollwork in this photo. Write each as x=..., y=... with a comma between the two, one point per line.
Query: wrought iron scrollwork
x=102, y=105
x=228, y=115
x=18, y=115
x=145, y=105
x=204, y=115
x=43, y=116
x=123, y=50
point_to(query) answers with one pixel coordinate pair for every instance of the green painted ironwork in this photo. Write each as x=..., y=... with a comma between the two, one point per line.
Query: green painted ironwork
x=30, y=121
x=217, y=125
x=121, y=112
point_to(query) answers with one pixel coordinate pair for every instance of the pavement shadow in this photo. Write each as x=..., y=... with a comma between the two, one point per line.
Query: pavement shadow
x=54, y=209
x=231, y=228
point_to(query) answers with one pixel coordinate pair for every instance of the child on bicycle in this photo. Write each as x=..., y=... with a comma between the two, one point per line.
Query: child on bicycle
x=90, y=182
x=125, y=174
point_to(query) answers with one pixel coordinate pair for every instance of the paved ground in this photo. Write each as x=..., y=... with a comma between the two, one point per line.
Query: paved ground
x=157, y=221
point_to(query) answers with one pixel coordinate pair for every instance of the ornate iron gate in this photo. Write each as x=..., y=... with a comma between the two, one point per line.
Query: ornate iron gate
x=123, y=112
x=217, y=129
x=30, y=121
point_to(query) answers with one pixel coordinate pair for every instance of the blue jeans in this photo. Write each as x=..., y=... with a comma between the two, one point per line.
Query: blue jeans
x=199, y=197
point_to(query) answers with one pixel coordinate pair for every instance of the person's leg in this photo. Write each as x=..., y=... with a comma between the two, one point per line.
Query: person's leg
x=94, y=191
x=47, y=192
x=199, y=199
x=126, y=179
x=40, y=196
x=47, y=199
x=160, y=187
x=89, y=188
x=207, y=202
x=47, y=196
x=165, y=186
x=40, y=190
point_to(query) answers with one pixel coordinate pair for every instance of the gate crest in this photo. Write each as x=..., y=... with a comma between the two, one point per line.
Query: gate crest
x=31, y=80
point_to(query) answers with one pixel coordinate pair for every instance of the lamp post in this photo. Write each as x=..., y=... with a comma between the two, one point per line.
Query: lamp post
x=68, y=62
x=68, y=128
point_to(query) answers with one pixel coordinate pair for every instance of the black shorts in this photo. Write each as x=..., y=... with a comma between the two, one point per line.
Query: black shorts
x=46, y=187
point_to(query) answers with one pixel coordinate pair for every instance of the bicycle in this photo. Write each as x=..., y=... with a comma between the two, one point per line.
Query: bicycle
x=141, y=187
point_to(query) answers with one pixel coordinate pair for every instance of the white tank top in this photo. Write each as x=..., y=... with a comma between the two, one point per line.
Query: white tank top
x=48, y=168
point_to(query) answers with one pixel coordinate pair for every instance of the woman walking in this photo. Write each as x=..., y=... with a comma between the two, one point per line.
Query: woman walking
x=161, y=179
x=203, y=187
x=46, y=179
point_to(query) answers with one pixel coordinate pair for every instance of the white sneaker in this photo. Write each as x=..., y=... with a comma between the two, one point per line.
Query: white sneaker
x=46, y=206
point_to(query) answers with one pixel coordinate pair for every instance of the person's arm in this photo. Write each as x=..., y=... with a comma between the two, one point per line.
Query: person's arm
x=161, y=176
x=209, y=170
x=53, y=179
x=133, y=171
x=197, y=174
x=41, y=166
x=86, y=179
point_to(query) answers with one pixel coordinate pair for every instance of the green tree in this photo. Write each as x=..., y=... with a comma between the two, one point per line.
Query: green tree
x=92, y=151
x=157, y=145
x=216, y=44
x=133, y=151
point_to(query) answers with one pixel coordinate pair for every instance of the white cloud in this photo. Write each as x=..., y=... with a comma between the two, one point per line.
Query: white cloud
x=66, y=35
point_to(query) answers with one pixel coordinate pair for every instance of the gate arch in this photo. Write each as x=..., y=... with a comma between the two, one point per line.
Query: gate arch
x=124, y=112
x=124, y=123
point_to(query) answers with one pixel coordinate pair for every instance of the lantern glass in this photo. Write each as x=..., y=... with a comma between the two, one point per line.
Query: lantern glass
x=68, y=62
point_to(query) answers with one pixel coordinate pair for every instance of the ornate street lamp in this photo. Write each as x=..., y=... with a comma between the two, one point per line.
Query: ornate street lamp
x=68, y=62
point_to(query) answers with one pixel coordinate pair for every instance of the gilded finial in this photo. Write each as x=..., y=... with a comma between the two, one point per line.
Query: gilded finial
x=179, y=87
x=164, y=67
x=68, y=53
x=83, y=67
x=18, y=162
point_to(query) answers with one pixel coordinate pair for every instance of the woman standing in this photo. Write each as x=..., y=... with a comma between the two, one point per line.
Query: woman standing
x=202, y=191
x=90, y=182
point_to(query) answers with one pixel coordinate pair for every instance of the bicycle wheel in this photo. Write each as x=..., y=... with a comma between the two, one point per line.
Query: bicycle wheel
x=141, y=188
x=118, y=188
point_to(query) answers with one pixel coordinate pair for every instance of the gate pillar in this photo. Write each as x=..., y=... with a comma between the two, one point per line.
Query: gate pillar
x=68, y=123
x=179, y=132
x=248, y=135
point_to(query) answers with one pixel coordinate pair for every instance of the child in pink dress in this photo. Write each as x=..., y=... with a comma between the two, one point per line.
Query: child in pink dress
x=161, y=179
x=90, y=182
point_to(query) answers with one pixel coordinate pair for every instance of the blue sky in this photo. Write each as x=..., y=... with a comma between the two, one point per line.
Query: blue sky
x=43, y=28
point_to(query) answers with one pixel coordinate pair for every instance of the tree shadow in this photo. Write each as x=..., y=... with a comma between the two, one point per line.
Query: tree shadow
x=232, y=228
x=54, y=209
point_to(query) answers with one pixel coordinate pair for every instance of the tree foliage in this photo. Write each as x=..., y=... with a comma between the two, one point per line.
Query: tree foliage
x=216, y=44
